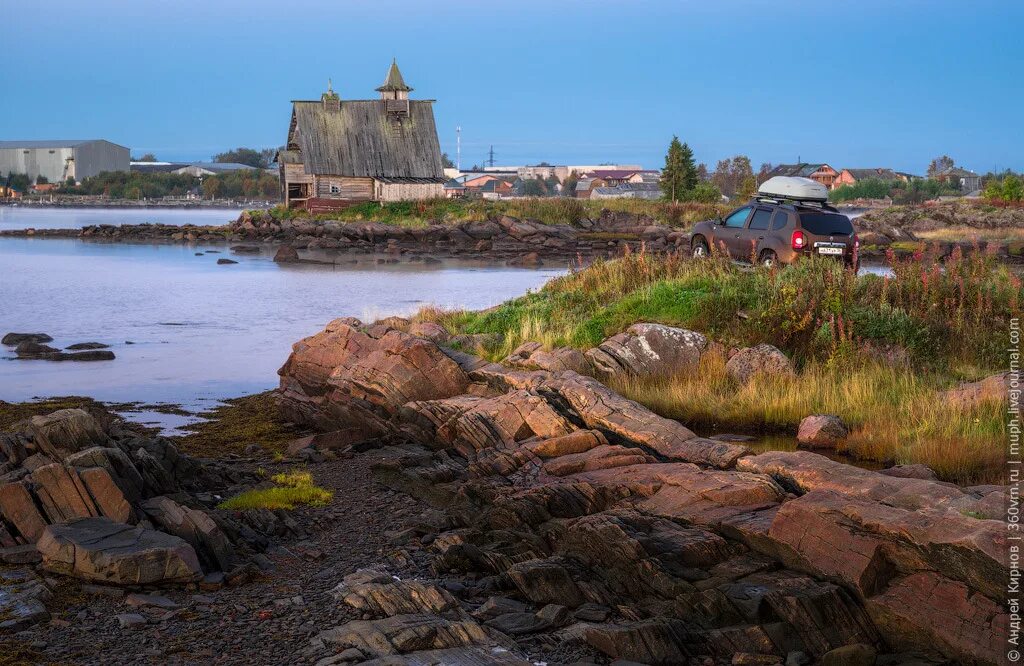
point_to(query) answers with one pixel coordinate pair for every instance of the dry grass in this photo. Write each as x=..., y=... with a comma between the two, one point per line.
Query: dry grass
x=895, y=416
x=290, y=490
x=877, y=351
x=548, y=210
x=968, y=234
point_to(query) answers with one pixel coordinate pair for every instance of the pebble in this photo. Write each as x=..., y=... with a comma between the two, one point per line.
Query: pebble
x=142, y=600
x=131, y=620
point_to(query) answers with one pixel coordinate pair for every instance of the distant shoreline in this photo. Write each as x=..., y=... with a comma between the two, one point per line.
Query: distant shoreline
x=129, y=203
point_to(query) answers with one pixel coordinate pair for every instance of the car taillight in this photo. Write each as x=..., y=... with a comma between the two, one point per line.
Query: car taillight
x=799, y=240
x=856, y=242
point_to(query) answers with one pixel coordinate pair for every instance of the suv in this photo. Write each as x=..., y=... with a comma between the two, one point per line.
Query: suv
x=770, y=231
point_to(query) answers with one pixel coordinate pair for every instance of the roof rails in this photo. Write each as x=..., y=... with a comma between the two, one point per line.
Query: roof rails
x=789, y=201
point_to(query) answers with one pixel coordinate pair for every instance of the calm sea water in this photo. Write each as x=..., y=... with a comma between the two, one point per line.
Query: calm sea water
x=200, y=331
x=28, y=217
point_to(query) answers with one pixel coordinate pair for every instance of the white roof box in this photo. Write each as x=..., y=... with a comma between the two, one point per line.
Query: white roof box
x=794, y=188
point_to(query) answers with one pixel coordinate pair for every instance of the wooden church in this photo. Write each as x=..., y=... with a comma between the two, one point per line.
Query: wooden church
x=341, y=152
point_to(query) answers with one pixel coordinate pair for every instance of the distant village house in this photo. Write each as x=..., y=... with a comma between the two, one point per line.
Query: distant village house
x=821, y=173
x=341, y=152
x=967, y=181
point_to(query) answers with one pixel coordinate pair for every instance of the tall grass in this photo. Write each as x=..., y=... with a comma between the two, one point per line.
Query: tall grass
x=895, y=415
x=876, y=350
x=935, y=313
x=548, y=210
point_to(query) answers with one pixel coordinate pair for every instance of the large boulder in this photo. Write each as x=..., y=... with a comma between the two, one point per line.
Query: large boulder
x=470, y=424
x=13, y=339
x=430, y=330
x=532, y=356
x=19, y=510
x=646, y=350
x=99, y=549
x=822, y=431
x=66, y=431
x=349, y=375
x=760, y=360
x=930, y=577
x=286, y=254
x=194, y=526
x=970, y=394
x=804, y=472
x=29, y=349
x=601, y=408
x=62, y=494
x=118, y=465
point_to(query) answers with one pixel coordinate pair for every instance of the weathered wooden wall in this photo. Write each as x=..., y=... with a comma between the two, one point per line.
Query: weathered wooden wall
x=407, y=191
x=342, y=187
x=294, y=173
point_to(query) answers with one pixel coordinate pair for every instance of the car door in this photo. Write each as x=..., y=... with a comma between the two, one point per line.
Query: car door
x=751, y=237
x=729, y=231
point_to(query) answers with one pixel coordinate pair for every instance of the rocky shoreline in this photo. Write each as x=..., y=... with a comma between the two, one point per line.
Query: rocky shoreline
x=488, y=513
x=511, y=239
x=627, y=533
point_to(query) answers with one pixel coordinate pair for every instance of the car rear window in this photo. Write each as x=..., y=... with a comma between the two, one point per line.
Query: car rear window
x=826, y=224
x=761, y=219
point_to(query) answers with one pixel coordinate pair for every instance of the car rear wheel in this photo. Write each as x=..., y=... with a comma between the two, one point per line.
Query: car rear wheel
x=768, y=259
x=700, y=248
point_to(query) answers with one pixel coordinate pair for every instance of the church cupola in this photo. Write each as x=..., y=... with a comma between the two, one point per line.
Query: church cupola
x=330, y=98
x=394, y=87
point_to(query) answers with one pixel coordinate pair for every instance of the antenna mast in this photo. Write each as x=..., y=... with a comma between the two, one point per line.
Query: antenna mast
x=458, y=147
x=490, y=160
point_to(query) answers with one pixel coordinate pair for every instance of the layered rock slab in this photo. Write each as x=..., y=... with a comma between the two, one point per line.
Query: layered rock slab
x=101, y=550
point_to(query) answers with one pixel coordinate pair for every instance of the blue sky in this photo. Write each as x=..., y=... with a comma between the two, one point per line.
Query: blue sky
x=859, y=84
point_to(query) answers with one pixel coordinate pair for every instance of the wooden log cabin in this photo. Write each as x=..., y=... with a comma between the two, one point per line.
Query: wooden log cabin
x=341, y=152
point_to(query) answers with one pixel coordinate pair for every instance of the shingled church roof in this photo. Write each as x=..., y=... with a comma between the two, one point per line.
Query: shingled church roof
x=394, y=80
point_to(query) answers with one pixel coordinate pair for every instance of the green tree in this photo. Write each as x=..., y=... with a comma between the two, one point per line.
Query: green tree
x=748, y=186
x=211, y=187
x=148, y=157
x=1012, y=188
x=731, y=174
x=569, y=184
x=41, y=179
x=18, y=181
x=446, y=161
x=551, y=184
x=704, y=193
x=940, y=164
x=680, y=173
x=534, y=187
x=258, y=159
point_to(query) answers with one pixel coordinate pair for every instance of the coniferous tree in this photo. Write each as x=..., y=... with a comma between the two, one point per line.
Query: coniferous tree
x=680, y=176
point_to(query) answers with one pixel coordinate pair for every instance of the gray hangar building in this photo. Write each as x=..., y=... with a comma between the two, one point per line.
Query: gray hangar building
x=60, y=160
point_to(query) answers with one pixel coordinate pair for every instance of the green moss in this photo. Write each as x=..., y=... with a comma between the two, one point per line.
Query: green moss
x=907, y=247
x=290, y=490
x=12, y=412
x=252, y=419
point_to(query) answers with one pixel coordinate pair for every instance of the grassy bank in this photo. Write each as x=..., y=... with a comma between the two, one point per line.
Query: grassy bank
x=874, y=350
x=549, y=210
